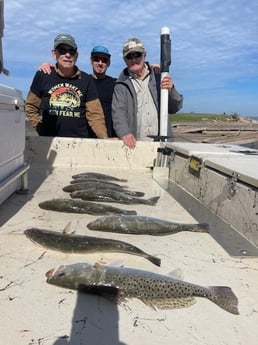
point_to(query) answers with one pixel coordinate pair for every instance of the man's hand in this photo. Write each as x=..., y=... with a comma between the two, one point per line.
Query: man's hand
x=129, y=140
x=45, y=67
x=156, y=68
x=167, y=82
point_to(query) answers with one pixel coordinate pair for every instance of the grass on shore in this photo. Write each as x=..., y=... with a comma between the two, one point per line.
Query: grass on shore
x=196, y=117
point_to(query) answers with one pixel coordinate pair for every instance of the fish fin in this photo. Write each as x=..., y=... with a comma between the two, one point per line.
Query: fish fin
x=155, y=260
x=98, y=264
x=111, y=293
x=177, y=274
x=114, y=299
x=114, y=263
x=169, y=303
x=67, y=228
x=151, y=201
x=224, y=297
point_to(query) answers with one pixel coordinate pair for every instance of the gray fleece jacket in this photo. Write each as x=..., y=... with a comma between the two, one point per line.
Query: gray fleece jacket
x=124, y=103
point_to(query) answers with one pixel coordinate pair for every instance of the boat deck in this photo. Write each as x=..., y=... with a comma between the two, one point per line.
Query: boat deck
x=37, y=313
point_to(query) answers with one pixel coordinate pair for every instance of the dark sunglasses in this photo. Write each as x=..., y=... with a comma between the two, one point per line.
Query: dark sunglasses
x=136, y=55
x=100, y=58
x=63, y=51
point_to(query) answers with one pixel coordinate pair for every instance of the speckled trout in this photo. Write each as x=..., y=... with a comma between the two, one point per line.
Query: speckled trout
x=109, y=195
x=98, y=186
x=81, y=206
x=155, y=290
x=100, y=176
x=95, y=180
x=142, y=225
x=81, y=244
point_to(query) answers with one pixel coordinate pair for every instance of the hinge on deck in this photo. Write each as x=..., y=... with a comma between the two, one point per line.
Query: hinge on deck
x=255, y=200
x=232, y=185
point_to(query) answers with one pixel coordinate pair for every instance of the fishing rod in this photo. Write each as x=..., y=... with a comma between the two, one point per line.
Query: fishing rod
x=165, y=61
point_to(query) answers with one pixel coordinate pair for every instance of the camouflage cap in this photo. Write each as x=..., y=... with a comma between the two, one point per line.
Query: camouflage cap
x=133, y=45
x=65, y=39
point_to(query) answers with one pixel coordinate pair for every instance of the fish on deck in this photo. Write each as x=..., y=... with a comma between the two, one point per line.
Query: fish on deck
x=99, y=176
x=86, y=186
x=81, y=244
x=81, y=206
x=143, y=225
x=109, y=195
x=96, y=181
x=155, y=290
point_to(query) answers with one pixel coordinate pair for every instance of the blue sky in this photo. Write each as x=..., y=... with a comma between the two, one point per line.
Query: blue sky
x=214, y=43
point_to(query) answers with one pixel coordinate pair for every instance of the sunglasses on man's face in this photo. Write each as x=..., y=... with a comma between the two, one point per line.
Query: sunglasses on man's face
x=132, y=56
x=63, y=51
x=100, y=58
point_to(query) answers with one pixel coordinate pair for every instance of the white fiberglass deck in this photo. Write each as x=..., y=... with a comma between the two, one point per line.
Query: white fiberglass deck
x=34, y=312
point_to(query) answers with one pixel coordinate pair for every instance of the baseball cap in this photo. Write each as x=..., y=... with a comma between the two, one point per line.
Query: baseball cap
x=100, y=50
x=65, y=39
x=133, y=45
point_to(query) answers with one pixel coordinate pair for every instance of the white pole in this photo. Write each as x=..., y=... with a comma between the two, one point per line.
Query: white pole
x=165, y=53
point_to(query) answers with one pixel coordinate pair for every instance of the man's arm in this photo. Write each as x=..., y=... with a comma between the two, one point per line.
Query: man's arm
x=119, y=111
x=95, y=117
x=120, y=116
x=32, y=108
x=175, y=101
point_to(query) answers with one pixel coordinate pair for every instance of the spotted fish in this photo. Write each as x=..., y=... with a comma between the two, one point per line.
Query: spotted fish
x=81, y=244
x=109, y=195
x=155, y=290
x=81, y=206
x=143, y=225
x=99, y=176
x=98, y=186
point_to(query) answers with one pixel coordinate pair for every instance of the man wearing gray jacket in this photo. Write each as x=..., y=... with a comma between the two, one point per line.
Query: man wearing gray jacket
x=136, y=97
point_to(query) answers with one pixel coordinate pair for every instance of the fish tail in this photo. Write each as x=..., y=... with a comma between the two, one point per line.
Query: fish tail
x=151, y=201
x=201, y=227
x=224, y=297
x=156, y=261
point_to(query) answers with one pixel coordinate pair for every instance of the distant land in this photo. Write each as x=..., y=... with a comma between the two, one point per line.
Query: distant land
x=202, y=117
x=216, y=128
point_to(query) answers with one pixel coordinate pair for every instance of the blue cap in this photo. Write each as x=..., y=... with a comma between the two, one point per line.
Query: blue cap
x=100, y=50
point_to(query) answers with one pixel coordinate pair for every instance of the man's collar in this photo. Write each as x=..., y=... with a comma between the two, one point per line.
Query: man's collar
x=147, y=72
x=77, y=72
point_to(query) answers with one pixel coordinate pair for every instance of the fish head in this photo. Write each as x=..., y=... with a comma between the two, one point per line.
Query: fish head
x=36, y=235
x=45, y=204
x=75, y=194
x=79, y=276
